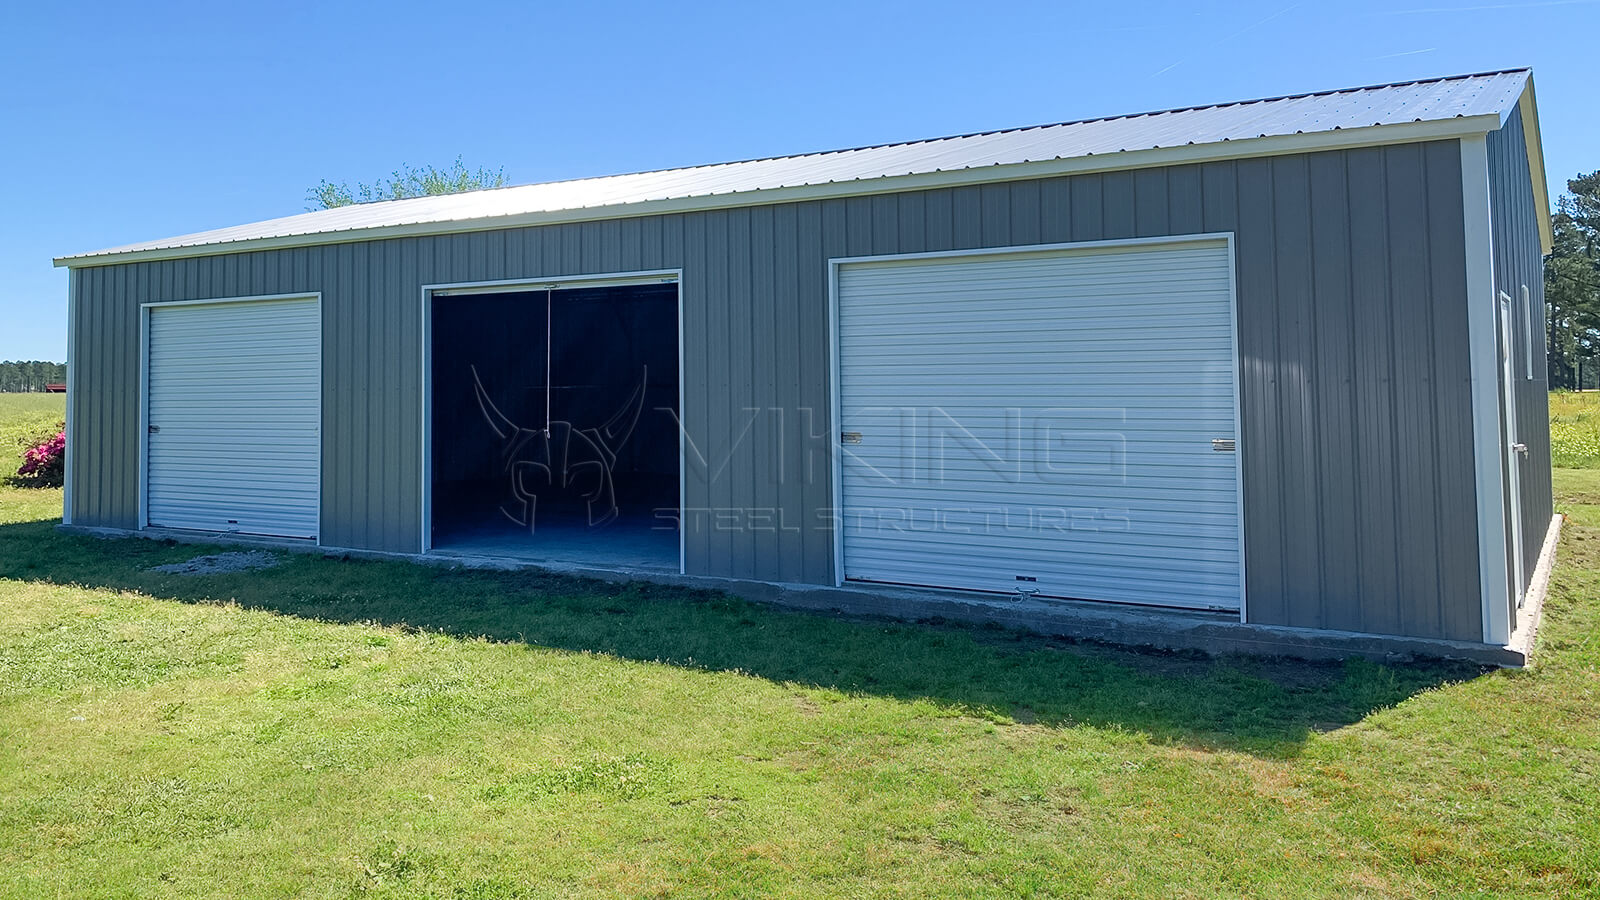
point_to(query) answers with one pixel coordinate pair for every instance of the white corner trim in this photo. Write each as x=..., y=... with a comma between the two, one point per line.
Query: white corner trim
x=425, y=426
x=835, y=423
x=72, y=438
x=142, y=505
x=1240, y=450
x=563, y=282
x=1487, y=435
x=683, y=436
x=1012, y=250
x=229, y=301
x=1533, y=604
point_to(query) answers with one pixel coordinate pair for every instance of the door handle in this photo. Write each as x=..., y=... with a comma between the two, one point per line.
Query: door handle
x=1520, y=448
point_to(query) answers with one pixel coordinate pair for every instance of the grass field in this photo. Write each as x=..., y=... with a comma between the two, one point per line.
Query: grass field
x=340, y=728
x=24, y=418
x=1575, y=429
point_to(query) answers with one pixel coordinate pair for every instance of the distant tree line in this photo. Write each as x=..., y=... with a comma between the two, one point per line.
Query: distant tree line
x=26, y=376
x=405, y=183
x=1572, y=286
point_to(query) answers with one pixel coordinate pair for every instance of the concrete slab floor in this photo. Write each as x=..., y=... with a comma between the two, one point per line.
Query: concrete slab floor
x=631, y=542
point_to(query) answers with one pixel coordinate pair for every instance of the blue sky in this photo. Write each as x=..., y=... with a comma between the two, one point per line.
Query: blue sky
x=126, y=122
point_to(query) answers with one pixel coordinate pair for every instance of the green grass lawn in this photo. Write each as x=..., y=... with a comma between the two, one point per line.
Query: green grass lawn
x=340, y=728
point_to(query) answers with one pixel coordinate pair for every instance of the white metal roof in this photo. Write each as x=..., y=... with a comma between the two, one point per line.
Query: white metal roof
x=1416, y=110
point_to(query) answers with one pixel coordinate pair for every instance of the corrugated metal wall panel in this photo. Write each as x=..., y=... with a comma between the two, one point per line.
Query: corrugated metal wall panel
x=1299, y=426
x=755, y=335
x=1266, y=556
x=1408, y=279
x=1332, y=324
x=1451, y=375
x=1519, y=262
x=1373, y=431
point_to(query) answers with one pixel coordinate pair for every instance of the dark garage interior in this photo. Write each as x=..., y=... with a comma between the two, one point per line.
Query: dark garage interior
x=555, y=430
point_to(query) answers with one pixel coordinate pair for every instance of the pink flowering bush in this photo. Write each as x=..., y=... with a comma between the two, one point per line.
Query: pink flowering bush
x=44, y=462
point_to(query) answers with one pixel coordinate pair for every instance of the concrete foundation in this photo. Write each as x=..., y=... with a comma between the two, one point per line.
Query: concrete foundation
x=1135, y=626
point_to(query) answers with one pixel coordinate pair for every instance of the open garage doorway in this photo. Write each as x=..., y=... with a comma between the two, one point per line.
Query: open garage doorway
x=554, y=423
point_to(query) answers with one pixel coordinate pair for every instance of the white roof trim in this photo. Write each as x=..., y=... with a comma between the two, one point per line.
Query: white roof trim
x=1535, y=146
x=1128, y=159
x=1418, y=111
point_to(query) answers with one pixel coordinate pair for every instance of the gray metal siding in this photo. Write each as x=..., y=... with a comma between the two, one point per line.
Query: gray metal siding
x=1359, y=505
x=1518, y=262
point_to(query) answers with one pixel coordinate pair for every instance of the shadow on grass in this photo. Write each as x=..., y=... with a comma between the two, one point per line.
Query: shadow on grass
x=1261, y=706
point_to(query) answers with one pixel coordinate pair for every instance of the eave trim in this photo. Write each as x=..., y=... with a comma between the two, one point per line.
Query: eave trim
x=1535, y=149
x=1276, y=145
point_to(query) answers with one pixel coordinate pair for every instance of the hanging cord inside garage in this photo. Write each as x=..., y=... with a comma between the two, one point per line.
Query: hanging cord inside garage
x=549, y=351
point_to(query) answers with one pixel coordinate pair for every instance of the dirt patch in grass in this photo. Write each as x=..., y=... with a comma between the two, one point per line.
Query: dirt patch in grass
x=221, y=563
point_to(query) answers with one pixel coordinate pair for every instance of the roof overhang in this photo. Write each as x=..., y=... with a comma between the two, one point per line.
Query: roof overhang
x=1275, y=145
x=1535, y=145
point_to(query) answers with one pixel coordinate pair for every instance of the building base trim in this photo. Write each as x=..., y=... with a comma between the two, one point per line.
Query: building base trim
x=1532, y=612
x=1128, y=626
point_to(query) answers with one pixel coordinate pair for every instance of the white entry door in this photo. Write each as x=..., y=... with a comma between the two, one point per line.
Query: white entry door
x=233, y=417
x=1060, y=423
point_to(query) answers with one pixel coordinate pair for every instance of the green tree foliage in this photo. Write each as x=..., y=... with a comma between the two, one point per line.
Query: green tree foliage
x=406, y=182
x=1572, y=285
x=25, y=376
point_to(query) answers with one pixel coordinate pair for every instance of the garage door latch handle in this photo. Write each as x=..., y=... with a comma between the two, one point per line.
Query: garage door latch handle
x=1222, y=445
x=850, y=437
x=154, y=428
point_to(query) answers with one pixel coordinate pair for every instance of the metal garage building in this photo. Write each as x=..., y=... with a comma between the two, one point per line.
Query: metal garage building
x=1279, y=363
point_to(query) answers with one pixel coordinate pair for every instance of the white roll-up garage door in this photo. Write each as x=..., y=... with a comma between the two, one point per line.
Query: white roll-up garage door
x=1060, y=422
x=233, y=414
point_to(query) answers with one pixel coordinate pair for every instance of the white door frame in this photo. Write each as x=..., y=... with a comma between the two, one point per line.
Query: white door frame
x=1513, y=447
x=143, y=521
x=836, y=453
x=514, y=285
